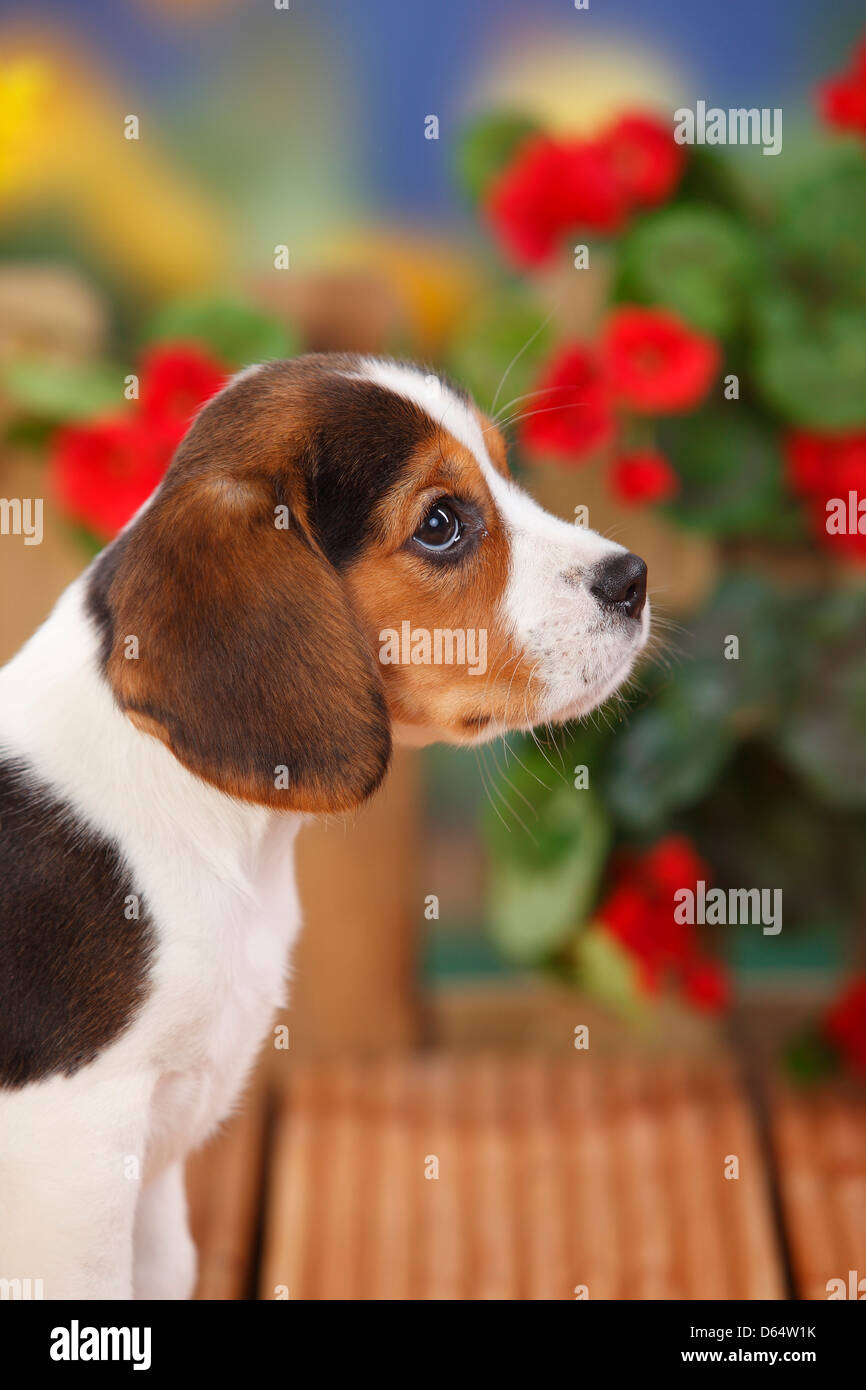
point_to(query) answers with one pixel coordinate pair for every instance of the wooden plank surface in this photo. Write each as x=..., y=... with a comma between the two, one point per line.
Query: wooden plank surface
x=545, y=1174
x=516, y=1177
x=820, y=1155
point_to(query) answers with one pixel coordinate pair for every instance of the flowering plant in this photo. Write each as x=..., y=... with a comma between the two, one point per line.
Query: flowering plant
x=721, y=379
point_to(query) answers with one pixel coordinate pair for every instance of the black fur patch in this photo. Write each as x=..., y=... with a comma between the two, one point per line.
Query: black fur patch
x=73, y=969
x=361, y=436
x=368, y=436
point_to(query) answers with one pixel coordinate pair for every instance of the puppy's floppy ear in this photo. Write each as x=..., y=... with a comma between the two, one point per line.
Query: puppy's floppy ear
x=250, y=663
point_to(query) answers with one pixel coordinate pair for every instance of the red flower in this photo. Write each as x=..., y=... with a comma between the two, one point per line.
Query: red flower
x=707, y=985
x=645, y=157
x=599, y=200
x=843, y=99
x=810, y=461
x=628, y=914
x=554, y=187
x=674, y=863
x=644, y=476
x=826, y=468
x=845, y=1024
x=639, y=913
x=103, y=471
x=526, y=204
x=176, y=380
x=656, y=363
x=551, y=188
x=570, y=413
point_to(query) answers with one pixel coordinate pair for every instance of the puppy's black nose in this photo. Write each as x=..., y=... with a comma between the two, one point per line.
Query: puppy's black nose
x=620, y=583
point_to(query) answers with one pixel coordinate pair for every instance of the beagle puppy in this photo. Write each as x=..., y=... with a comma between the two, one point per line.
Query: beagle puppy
x=214, y=677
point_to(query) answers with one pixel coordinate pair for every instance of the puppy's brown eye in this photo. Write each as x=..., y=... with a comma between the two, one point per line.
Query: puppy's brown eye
x=441, y=528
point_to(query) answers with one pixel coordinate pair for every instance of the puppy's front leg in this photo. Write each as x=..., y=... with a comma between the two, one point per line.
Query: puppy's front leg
x=164, y=1262
x=70, y=1153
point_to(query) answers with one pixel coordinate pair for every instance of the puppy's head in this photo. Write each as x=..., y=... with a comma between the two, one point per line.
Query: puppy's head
x=338, y=553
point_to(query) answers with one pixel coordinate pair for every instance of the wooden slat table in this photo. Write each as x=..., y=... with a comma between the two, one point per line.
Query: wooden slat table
x=502, y=1176
x=819, y=1141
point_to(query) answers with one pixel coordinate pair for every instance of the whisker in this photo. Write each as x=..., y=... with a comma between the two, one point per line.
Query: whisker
x=528, y=770
x=545, y=410
x=516, y=790
x=519, y=819
x=517, y=356
x=487, y=791
x=529, y=395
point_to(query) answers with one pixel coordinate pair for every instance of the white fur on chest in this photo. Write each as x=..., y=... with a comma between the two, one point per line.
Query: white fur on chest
x=220, y=975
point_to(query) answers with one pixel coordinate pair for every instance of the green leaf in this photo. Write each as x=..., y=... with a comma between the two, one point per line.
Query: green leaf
x=535, y=783
x=486, y=146
x=236, y=333
x=607, y=972
x=822, y=220
x=534, y=908
x=668, y=756
x=767, y=621
x=824, y=736
x=809, y=361
x=730, y=470
x=698, y=261
x=60, y=392
x=712, y=179
x=671, y=752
